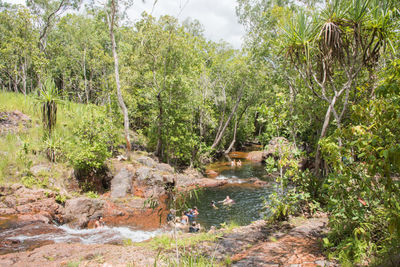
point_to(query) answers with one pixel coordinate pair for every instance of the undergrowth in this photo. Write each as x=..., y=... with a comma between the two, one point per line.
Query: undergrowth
x=27, y=147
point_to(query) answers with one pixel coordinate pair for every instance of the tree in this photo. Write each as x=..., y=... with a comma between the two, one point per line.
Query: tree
x=112, y=13
x=333, y=50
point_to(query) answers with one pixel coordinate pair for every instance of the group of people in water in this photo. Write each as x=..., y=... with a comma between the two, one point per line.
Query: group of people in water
x=236, y=163
x=186, y=221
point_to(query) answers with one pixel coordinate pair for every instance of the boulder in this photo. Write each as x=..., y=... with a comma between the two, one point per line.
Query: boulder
x=256, y=156
x=121, y=184
x=142, y=173
x=149, y=162
x=157, y=178
x=164, y=167
x=79, y=211
x=40, y=169
x=168, y=178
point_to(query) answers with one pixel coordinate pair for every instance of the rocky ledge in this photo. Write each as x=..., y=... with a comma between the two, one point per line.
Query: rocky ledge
x=133, y=183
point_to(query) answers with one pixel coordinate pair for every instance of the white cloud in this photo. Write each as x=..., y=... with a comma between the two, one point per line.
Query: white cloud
x=217, y=16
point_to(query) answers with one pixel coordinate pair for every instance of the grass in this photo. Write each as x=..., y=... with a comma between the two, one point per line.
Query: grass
x=19, y=151
x=167, y=242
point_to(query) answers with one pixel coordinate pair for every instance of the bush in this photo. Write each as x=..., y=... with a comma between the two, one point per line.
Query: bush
x=94, y=140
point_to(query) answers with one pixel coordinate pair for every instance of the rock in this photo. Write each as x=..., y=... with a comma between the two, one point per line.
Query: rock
x=211, y=173
x=256, y=156
x=321, y=263
x=79, y=210
x=157, y=178
x=10, y=202
x=143, y=173
x=257, y=182
x=121, y=158
x=149, y=162
x=41, y=168
x=193, y=173
x=164, y=167
x=169, y=178
x=7, y=211
x=121, y=184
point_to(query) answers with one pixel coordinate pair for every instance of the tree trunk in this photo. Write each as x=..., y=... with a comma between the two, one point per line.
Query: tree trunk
x=233, y=139
x=221, y=133
x=323, y=133
x=84, y=76
x=159, y=149
x=111, y=18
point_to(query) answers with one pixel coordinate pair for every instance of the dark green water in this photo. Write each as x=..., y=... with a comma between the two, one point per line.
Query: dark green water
x=249, y=199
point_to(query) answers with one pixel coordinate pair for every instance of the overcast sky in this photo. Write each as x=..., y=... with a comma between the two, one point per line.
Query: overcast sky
x=217, y=16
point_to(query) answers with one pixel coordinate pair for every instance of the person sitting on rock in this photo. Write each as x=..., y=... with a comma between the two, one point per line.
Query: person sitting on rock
x=194, y=228
x=171, y=215
x=184, y=219
x=233, y=163
x=99, y=223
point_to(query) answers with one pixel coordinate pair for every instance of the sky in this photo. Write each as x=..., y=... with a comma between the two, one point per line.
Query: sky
x=217, y=16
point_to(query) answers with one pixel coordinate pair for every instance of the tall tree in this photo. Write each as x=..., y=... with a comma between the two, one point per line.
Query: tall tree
x=112, y=13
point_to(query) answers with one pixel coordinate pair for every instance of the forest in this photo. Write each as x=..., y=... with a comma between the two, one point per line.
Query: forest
x=325, y=75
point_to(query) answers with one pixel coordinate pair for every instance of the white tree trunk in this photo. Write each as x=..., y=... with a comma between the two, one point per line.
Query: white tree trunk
x=111, y=18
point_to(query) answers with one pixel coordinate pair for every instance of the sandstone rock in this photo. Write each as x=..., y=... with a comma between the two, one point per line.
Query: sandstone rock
x=193, y=173
x=256, y=156
x=41, y=168
x=168, y=178
x=157, y=178
x=121, y=184
x=211, y=173
x=10, y=202
x=164, y=167
x=149, y=162
x=143, y=173
x=7, y=211
x=79, y=210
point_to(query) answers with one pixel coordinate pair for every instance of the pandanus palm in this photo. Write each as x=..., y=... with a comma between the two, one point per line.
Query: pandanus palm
x=48, y=101
x=331, y=52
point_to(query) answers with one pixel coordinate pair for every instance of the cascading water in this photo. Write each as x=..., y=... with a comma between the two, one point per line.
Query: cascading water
x=19, y=237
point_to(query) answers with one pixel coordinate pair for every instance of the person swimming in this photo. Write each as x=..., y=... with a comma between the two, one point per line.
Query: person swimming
x=239, y=163
x=227, y=201
x=213, y=205
x=233, y=163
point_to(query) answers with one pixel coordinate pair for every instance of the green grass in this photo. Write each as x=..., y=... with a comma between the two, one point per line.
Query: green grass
x=19, y=151
x=167, y=241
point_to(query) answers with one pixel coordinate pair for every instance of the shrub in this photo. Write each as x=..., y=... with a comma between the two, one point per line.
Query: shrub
x=94, y=139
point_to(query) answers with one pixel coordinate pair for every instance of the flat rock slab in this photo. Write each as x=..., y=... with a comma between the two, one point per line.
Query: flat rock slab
x=300, y=246
x=121, y=184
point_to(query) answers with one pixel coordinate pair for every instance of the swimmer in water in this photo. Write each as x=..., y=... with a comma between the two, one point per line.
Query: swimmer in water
x=239, y=163
x=227, y=201
x=213, y=205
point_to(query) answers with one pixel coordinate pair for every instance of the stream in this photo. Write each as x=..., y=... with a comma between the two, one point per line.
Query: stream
x=249, y=199
x=249, y=202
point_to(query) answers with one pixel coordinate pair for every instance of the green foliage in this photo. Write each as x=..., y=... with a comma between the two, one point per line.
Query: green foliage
x=91, y=194
x=48, y=100
x=32, y=181
x=94, y=139
x=364, y=191
x=60, y=199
